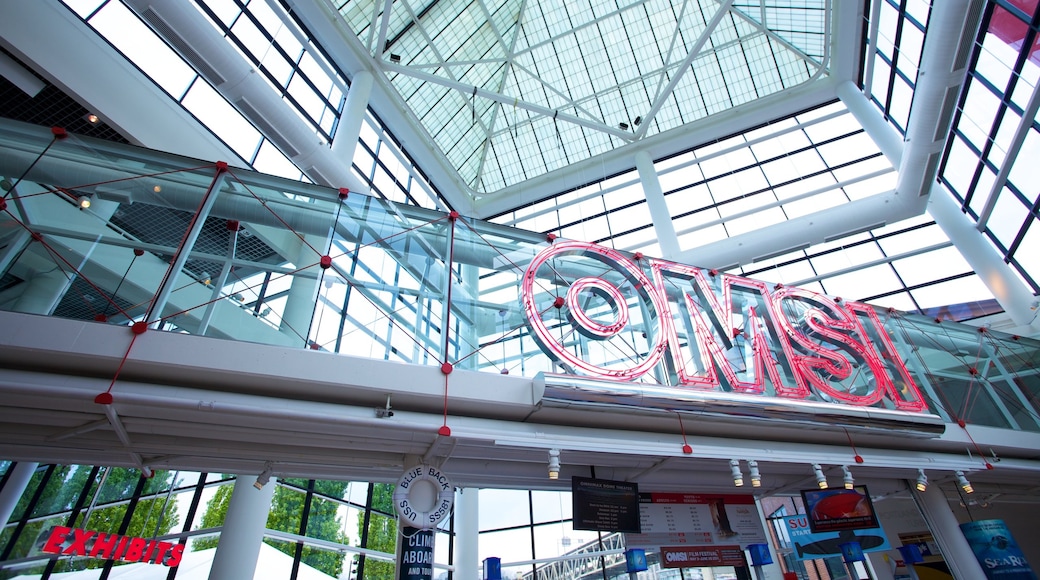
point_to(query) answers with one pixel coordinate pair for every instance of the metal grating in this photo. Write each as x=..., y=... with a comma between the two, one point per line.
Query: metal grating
x=51, y=107
x=84, y=302
x=166, y=226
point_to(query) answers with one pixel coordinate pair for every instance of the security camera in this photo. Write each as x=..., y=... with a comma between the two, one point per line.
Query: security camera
x=386, y=412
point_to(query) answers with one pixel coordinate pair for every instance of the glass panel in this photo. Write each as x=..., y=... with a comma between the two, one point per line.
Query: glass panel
x=155, y=513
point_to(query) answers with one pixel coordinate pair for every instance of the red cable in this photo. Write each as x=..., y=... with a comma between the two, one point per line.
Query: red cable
x=855, y=453
x=120, y=367
x=446, y=367
x=685, y=446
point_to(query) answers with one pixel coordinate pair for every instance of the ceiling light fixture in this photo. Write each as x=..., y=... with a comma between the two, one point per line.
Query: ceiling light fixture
x=92, y=118
x=264, y=477
x=83, y=202
x=847, y=477
x=734, y=469
x=554, y=464
x=756, y=476
x=964, y=483
x=821, y=479
x=922, y=480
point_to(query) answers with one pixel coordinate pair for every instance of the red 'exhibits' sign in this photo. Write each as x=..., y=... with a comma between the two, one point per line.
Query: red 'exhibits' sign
x=78, y=542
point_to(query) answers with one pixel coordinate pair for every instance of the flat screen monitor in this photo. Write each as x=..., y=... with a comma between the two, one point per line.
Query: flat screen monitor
x=604, y=505
x=832, y=510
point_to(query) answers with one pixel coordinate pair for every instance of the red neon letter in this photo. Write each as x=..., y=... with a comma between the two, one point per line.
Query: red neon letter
x=78, y=547
x=565, y=262
x=836, y=355
x=134, y=550
x=104, y=544
x=56, y=539
x=709, y=332
x=903, y=391
x=174, y=558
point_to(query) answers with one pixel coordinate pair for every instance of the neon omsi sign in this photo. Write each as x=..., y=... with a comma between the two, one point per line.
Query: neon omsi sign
x=691, y=339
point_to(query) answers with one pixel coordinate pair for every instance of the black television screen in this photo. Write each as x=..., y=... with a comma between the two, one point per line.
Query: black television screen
x=832, y=510
x=605, y=506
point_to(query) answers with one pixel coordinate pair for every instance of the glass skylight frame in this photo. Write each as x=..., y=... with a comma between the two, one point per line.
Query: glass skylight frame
x=503, y=104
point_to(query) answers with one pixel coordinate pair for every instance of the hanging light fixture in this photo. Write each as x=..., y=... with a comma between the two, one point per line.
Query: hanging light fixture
x=847, y=477
x=756, y=477
x=821, y=479
x=964, y=483
x=554, y=464
x=922, y=480
x=734, y=469
x=264, y=477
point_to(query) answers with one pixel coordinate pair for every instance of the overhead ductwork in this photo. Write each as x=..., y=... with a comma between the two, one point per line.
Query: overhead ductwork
x=952, y=28
x=195, y=39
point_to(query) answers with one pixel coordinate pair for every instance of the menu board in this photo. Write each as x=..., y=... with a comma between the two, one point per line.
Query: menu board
x=604, y=505
x=681, y=519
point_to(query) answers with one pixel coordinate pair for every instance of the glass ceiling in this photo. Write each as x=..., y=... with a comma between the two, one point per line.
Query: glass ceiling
x=512, y=89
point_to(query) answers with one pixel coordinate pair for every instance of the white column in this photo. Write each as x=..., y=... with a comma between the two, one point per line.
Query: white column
x=770, y=570
x=243, y=532
x=947, y=533
x=982, y=256
x=21, y=474
x=303, y=292
x=659, y=214
x=349, y=130
x=467, y=529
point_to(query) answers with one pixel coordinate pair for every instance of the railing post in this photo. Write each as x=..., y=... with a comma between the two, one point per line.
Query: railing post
x=180, y=257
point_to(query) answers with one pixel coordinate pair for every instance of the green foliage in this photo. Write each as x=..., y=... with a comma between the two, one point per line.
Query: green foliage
x=382, y=533
x=151, y=517
x=60, y=493
x=286, y=514
x=216, y=511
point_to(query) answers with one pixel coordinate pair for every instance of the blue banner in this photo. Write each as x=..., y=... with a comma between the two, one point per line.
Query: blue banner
x=415, y=554
x=996, y=550
x=809, y=545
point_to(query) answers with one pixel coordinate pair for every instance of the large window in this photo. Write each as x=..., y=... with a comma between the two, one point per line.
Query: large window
x=989, y=162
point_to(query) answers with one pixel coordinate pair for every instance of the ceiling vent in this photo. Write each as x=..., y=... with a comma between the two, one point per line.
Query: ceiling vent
x=159, y=24
x=269, y=130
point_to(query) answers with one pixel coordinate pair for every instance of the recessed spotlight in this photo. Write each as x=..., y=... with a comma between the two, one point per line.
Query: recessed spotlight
x=922, y=481
x=92, y=119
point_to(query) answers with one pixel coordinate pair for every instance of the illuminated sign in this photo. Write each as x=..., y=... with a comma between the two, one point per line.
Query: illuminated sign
x=601, y=315
x=88, y=543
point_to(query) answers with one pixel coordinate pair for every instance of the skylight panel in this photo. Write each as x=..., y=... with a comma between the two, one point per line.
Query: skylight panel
x=599, y=61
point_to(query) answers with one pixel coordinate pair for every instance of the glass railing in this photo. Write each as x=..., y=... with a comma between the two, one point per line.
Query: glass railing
x=190, y=246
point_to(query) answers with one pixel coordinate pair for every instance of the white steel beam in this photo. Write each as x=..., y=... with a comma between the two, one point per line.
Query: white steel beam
x=1025, y=125
x=695, y=51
